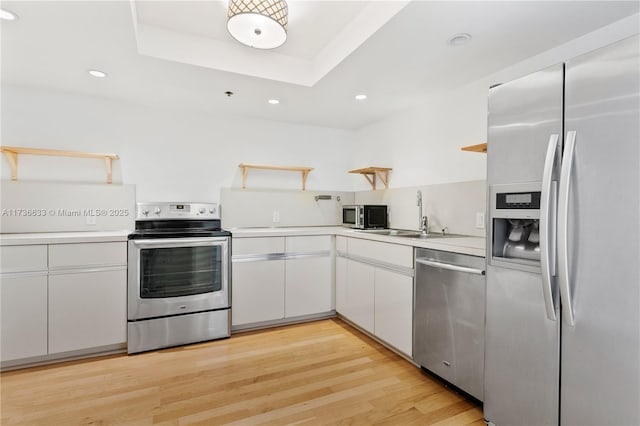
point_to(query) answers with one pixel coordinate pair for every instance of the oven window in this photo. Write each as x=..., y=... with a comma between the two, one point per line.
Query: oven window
x=180, y=271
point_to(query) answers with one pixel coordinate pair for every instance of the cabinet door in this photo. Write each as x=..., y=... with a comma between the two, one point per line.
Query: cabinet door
x=394, y=309
x=23, y=301
x=87, y=310
x=360, y=294
x=308, y=286
x=257, y=291
x=341, y=285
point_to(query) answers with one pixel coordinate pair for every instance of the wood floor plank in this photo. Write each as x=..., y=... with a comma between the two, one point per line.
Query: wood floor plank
x=319, y=373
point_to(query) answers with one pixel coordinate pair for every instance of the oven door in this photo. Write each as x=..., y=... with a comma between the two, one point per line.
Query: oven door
x=175, y=276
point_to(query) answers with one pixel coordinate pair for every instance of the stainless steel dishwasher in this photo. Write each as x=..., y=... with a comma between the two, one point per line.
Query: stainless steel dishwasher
x=449, y=317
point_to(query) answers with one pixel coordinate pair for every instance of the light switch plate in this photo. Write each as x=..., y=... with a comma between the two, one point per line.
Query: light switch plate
x=480, y=220
x=276, y=216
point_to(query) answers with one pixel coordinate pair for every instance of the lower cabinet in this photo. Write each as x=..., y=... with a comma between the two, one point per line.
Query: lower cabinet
x=274, y=278
x=361, y=294
x=257, y=291
x=341, y=284
x=86, y=310
x=376, y=295
x=59, y=298
x=394, y=309
x=308, y=286
x=23, y=316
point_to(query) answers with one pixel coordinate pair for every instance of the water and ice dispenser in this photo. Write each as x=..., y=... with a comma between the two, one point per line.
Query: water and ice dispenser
x=515, y=221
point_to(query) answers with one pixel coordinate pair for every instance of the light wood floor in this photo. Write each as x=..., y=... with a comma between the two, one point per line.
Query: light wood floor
x=323, y=372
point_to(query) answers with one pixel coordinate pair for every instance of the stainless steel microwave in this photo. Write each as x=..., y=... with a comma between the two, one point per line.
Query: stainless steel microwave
x=365, y=216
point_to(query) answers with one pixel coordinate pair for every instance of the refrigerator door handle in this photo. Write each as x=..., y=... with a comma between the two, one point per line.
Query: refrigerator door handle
x=563, y=230
x=548, y=204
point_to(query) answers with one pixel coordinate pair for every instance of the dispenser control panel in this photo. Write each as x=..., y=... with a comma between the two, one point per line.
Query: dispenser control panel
x=518, y=200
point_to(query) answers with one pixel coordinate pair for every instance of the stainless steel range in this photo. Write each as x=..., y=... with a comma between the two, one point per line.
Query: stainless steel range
x=179, y=286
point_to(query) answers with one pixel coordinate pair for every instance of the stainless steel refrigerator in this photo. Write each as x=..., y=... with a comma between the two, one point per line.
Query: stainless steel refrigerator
x=562, y=342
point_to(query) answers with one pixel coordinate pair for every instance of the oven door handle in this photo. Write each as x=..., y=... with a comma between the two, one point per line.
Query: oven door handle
x=179, y=242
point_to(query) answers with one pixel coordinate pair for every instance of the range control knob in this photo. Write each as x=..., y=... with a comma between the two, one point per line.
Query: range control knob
x=212, y=210
x=145, y=212
x=202, y=210
x=157, y=210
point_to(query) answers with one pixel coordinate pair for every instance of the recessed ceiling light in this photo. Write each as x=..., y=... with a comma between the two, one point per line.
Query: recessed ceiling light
x=273, y=101
x=459, y=39
x=361, y=97
x=7, y=15
x=97, y=73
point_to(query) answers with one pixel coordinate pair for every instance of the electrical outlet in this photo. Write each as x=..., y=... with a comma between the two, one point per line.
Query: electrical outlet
x=276, y=216
x=480, y=220
x=91, y=219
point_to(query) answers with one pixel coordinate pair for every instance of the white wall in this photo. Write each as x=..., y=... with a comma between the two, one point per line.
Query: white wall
x=280, y=208
x=449, y=206
x=169, y=155
x=422, y=144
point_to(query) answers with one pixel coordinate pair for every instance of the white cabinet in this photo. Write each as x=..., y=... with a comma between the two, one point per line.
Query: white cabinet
x=276, y=278
x=394, y=309
x=87, y=255
x=374, y=289
x=257, y=283
x=58, y=298
x=23, y=301
x=257, y=291
x=360, y=294
x=308, y=277
x=341, y=284
x=87, y=310
x=27, y=258
x=87, y=295
x=24, y=315
x=308, y=286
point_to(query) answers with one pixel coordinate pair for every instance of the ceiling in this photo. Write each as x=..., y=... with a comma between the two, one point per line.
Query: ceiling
x=163, y=53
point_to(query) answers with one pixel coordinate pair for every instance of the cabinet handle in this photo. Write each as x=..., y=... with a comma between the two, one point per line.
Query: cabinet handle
x=450, y=267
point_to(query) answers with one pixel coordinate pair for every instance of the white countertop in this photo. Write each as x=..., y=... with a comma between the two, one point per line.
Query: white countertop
x=62, y=237
x=475, y=246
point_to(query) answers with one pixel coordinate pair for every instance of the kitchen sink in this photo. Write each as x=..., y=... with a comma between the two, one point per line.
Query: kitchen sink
x=409, y=234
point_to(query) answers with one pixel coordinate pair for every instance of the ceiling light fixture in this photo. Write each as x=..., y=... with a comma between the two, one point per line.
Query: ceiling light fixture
x=7, y=15
x=273, y=101
x=361, y=97
x=459, y=39
x=97, y=73
x=258, y=23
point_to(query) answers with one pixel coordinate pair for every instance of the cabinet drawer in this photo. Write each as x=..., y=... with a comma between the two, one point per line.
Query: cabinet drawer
x=394, y=254
x=308, y=244
x=260, y=245
x=23, y=258
x=84, y=255
x=341, y=244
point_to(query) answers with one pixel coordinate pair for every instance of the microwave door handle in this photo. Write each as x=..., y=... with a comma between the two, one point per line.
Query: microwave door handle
x=564, y=280
x=547, y=227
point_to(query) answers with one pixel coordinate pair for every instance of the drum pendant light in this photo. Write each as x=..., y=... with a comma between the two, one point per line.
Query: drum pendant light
x=258, y=23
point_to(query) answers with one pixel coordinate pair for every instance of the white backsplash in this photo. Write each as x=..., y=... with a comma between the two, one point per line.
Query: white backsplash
x=247, y=208
x=32, y=206
x=448, y=205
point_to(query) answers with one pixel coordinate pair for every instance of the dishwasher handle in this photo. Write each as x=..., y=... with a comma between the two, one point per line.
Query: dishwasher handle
x=450, y=267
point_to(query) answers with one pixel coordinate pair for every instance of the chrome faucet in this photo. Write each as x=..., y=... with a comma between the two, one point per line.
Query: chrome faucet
x=423, y=220
x=424, y=225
